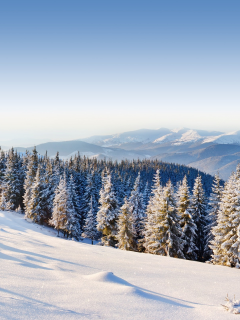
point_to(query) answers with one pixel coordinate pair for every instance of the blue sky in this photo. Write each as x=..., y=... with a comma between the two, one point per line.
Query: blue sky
x=70, y=69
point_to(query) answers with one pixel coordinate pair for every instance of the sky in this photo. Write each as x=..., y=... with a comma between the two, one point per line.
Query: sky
x=75, y=68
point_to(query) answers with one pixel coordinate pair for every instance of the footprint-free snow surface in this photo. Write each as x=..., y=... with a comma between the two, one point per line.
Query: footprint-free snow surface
x=46, y=277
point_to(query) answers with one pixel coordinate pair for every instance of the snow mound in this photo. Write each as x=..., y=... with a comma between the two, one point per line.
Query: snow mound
x=105, y=276
x=119, y=285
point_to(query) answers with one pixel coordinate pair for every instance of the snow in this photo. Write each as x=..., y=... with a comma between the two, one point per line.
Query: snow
x=182, y=136
x=46, y=277
x=232, y=305
x=167, y=138
x=189, y=136
x=227, y=138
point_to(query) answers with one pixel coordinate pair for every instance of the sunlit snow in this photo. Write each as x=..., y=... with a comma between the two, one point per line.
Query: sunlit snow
x=46, y=277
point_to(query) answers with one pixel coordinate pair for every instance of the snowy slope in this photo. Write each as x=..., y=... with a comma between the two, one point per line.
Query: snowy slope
x=45, y=277
x=227, y=138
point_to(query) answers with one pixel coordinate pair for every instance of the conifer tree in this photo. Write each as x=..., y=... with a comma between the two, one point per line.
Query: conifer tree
x=137, y=208
x=214, y=203
x=90, y=193
x=199, y=212
x=126, y=228
x=38, y=204
x=32, y=167
x=225, y=244
x=77, y=219
x=150, y=230
x=108, y=212
x=90, y=227
x=223, y=227
x=11, y=186
x=186, y=222
x=63, y=209
x=2, y=168
x=3, y=203
x=170, y=238
x=146, y=196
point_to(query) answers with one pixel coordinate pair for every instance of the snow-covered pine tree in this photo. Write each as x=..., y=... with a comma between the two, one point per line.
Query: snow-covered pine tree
x=90, y=193
x=12, y=185
x=199, y=213
x=2, y=168
x=37, y=203
x=3, y=203
x=186, y=222
x=137, y=208
x=77, y=226
x=90, y=227
x=170, y=237
x=223, y=231
x=32, y=166
x=214, y=203
x=146, y=196
x=108, y=212
x=63, y=209
x=150, y=230
x=126, y=228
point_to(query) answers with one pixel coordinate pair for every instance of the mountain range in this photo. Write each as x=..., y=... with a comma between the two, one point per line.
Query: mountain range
x=209, y=151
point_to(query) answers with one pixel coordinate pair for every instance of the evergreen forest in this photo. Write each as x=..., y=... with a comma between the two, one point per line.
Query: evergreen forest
x=145, y=206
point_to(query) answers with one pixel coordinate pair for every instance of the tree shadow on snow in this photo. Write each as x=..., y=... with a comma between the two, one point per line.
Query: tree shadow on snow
x=35, y=255
x=22, y=298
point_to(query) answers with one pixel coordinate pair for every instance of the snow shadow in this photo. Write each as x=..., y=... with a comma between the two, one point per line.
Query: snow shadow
x=127, y=288
x=31, y=256
x=36, y=304
x=22, y=262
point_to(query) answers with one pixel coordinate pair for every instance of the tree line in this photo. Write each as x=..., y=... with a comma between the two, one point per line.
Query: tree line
x=146, y=206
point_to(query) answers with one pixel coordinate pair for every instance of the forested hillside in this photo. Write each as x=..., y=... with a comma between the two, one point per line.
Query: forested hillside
x=146, y=206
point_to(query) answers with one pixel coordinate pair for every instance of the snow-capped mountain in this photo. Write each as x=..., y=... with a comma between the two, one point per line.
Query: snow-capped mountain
x=142, y=136
x=160, y=136
x=226, y=138
x=209, y=151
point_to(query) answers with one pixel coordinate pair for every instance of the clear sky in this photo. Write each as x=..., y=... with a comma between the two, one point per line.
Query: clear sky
x=74, y=68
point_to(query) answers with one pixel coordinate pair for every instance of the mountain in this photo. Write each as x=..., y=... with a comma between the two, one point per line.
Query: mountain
x=67, y=149
x=160, y=136
x=48, y=277
x=209, y=151
x=142, y=136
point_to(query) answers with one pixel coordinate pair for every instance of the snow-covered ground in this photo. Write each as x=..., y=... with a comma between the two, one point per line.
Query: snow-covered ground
x=45, y=277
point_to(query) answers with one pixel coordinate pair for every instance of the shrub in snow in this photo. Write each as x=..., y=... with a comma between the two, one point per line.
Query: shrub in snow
x=232, y=305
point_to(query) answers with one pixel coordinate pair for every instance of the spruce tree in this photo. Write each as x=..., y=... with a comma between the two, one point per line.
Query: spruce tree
x=186, y=222
x=170, y=237
x=90, y=227
x=2, y=168
x=12, y=186
x=223, y=231
x=77, y=219
x=32, y=167
x=137, y=208
x=108, y=212
x=150, y=231
x=199, y=212
x=126, y=228
x=38, y=204
x=214, y=202
x=63, y=209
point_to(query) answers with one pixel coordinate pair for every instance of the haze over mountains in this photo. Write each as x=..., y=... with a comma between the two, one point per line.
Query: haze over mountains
x=209, y=151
